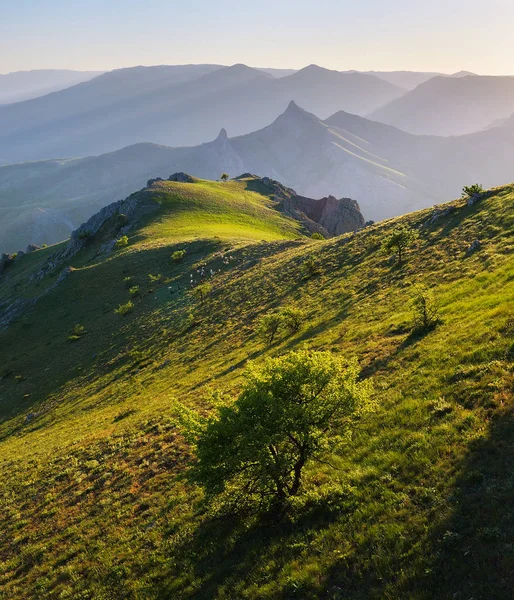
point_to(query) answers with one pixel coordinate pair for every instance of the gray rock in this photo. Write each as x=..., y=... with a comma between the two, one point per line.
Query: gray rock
x=150, y=182
x=439, y=214
x=474, y=247
x=474, y=199
x=32, y=248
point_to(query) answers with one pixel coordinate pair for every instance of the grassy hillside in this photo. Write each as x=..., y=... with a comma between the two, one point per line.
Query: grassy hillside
x=94, y=503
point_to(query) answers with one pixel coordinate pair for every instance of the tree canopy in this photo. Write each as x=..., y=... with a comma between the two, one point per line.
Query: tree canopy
x=290, y=411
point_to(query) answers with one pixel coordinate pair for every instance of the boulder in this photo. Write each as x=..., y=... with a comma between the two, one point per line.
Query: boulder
x=150, y=182
x=32, y=248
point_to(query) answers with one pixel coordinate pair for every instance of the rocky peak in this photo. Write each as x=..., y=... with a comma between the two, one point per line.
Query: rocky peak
x=222, y=136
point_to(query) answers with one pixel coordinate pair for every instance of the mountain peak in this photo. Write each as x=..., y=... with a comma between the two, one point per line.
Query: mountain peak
x=222, y=136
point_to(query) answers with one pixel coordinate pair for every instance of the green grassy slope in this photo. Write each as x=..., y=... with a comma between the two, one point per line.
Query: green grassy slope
x=93, y=502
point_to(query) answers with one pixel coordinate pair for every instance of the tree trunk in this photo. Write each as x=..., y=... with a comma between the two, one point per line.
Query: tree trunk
x=298, y=473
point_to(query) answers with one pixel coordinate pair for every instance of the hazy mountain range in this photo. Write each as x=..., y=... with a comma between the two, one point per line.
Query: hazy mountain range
x=24, y=85
x=175, y=106
x=388, y=171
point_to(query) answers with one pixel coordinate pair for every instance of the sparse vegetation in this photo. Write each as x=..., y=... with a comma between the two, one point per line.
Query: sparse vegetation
x=134, y=291
x=317, y=236
x=155, y=278
x=124, y=309
x=76, y=333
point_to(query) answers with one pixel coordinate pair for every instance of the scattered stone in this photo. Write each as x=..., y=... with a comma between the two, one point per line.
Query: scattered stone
x=474, y=247
x=181, y=178
x=439, y=214
x=29, y=417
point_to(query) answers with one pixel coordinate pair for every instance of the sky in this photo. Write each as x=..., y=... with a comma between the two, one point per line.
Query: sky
x=438, y=35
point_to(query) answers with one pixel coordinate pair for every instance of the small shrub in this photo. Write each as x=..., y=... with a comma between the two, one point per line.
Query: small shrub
x=128, y=281
x=77, y=332
x=224, y=177
x=310, y=268
x=201, y=292
x=154, y=278
x=124, y=309
x=317, y=236
x=178, y=256
x=134, y=291
x=426, y=312
x=471, y=191
x=122, y=242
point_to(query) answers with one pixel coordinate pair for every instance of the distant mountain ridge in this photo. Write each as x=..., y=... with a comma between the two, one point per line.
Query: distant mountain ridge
x=175, y=106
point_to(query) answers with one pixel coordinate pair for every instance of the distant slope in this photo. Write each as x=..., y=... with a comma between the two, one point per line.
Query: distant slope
x=174, y=106
x=416, y=504
x=24, y=85
x=450, y=105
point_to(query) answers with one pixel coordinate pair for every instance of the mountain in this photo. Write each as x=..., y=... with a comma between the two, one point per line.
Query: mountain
x=24, y=85
x=95, y=500
x=389, y=172
x=450, y=105
x=404, y=79
x=157, y=105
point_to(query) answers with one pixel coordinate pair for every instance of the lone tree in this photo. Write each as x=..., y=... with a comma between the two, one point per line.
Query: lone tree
x=399, y=240
x=224, y=177
x=269, y=326
x=290, y=412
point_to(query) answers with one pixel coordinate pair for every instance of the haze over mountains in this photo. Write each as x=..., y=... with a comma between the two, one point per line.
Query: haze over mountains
x=451, y=105
x=388, y=171
x=175, y=106
x=24, y=85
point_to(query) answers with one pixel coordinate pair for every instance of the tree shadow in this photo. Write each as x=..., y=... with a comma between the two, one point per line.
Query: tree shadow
x=225, y=550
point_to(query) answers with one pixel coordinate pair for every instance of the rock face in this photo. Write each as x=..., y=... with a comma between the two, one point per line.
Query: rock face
x=5, y=261
x=328, y=216
x=119, y=217
x=32, y=248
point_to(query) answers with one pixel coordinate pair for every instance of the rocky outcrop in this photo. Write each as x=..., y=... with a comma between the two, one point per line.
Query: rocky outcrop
x=11, y=311
x=32, y=248
x=118, y=217
x=181, y=178
x=328, y=216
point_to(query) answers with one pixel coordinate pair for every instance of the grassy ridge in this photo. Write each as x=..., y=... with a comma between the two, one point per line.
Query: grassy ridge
x=93, y=502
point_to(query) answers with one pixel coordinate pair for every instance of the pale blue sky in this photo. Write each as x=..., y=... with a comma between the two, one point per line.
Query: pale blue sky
x=435, y=35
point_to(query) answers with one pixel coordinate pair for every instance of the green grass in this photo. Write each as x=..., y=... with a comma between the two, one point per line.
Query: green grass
x=93, y=501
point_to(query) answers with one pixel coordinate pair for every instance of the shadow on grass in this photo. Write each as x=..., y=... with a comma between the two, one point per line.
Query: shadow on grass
x=226, y=551
x=472, y=551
